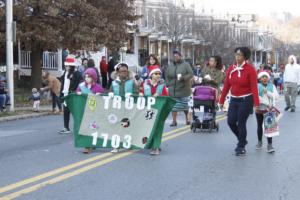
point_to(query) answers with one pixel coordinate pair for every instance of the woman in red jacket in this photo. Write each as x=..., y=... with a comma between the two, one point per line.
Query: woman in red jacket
x=241, y=80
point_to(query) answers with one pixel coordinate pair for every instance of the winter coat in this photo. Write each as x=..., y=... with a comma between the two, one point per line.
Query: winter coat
x=267, y=99
x=111, y=65
x=95, y=88
x=75, y=79
x=182, y=87
x=103, y=67
x=149, y=90
x=215, y=74
x=120, y=88
x=292, y=72
x=35, y=96
x=53, y=84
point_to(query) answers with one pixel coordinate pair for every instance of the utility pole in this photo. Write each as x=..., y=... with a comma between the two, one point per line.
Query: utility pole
x=9, y=52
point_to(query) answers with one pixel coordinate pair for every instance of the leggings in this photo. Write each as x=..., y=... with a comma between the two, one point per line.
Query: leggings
x=66, y=117
x=260, y=120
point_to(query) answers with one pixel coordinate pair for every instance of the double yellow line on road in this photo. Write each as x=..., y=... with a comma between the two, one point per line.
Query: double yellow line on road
x=77, y=168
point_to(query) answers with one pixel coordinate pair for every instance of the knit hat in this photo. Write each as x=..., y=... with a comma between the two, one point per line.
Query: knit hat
x=70, y=61
x=92, y=73
x=34, y=90
x=263, y=73
x=153, y=69
x=117, y=66
x=177, y=52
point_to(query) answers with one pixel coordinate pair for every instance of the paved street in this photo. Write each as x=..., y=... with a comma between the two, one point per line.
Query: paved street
x=191, y=166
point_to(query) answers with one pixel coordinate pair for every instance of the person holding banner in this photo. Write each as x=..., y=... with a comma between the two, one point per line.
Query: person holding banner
x=69, y=83
x=89, y=85
x=267, y=96
x=154, y=87
x=123, y=84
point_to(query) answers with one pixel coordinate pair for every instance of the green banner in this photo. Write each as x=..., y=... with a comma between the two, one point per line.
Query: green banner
x=118, y=122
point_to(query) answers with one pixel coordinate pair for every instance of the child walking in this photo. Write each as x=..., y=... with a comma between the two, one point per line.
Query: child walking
x=154, y=87
x=89, y=85
x=267, y=96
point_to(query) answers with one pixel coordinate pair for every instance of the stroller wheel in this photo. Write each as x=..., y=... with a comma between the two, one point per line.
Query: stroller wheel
x=194, y=129
x=211, y=126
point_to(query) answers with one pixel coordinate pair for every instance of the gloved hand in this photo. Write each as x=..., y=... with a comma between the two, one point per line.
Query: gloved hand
x=127, y=95
x=111, y=95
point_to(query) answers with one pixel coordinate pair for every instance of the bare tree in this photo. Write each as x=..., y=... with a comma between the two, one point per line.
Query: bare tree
x=173, y=22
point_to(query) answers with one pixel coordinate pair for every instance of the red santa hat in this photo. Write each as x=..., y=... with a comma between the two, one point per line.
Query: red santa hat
x=70, y=61
x=153, y=69
x=263, y=73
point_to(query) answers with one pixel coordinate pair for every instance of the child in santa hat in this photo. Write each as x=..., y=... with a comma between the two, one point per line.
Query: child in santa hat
x=154, y=87
x=267, y=96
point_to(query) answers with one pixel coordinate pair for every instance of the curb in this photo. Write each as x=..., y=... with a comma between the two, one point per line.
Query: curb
x=24, y=116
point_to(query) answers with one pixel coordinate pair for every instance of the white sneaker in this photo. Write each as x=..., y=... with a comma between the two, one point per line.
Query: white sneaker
x=64, y=131
x=115, y=151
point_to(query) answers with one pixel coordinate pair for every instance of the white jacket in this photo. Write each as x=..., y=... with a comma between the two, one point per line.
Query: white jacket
x=292, y=72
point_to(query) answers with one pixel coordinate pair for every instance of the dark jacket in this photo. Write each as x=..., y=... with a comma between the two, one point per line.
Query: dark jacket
x=35, y=97
x=182, y=87
x=75, y=79
x=111, y=65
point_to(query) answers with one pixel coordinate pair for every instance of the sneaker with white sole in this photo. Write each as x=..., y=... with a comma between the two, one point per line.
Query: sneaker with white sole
x=64, y=131
x=259, y=145
x=154, y=152
x=270, y=148
x=115, y=151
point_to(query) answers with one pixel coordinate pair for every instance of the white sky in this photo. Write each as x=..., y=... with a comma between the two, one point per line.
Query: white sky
x=261, y=7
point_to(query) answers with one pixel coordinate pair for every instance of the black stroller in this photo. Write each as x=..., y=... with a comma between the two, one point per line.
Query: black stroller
x=204, y=96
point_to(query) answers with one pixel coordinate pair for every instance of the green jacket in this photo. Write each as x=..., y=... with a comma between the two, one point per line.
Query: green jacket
x=182, y=87
x=215, y=74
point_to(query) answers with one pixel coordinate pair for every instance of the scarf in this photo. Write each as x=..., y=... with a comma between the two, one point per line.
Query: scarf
x=238, y=69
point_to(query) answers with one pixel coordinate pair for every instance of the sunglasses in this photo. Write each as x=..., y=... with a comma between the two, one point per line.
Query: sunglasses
x=157, y=73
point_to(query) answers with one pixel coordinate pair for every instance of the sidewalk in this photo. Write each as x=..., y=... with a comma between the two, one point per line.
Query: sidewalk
x=25, y=112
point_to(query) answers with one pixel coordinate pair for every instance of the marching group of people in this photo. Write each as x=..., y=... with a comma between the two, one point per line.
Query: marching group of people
x=249, y=89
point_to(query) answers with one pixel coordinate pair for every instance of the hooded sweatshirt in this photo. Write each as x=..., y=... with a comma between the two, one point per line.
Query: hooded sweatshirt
x=95, y=87
x=292, y=71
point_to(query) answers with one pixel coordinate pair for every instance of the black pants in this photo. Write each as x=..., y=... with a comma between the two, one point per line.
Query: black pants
x=104, y=80
x=55, y=101
x=109, y=80
x=67, y=115
x=238, y=113
x=260, y=120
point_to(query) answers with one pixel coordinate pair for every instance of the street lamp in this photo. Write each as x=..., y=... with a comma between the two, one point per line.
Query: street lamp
x=9, y=52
